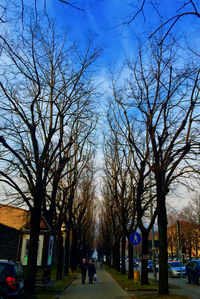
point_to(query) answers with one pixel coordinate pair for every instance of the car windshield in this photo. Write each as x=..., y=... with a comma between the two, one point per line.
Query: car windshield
x=176, y=264
x=150, y=262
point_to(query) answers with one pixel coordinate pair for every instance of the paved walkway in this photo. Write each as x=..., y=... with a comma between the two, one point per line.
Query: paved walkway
x=105, y=288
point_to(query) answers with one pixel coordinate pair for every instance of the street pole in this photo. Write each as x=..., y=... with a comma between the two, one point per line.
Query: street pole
x=64, y=240
x=64, y=244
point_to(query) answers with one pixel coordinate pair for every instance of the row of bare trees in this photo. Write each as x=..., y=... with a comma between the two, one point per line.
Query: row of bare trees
x=47, y=122
x=154, y=114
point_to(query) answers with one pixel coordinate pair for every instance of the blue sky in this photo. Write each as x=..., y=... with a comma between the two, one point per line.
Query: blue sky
x=102, y=17
x=97, y=21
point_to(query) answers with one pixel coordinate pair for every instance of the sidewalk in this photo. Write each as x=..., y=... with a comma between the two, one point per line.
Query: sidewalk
x=105, y=288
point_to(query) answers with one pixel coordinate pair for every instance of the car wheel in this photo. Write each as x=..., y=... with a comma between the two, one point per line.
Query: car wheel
x=188, y=279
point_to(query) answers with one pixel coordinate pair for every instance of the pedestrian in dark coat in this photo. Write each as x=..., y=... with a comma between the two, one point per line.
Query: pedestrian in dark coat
x=91, y=271
x=83, y=267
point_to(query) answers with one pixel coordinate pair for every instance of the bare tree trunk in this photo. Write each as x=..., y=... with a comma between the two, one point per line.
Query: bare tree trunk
x=30, y=279
x=115, y=253
x=130, y=263
x=123, y=253
x=162, y=230
x=67, y=253
x=114, y=256
x=145, y=251
x=74, y=253
x=59, y=270
x=118, y=255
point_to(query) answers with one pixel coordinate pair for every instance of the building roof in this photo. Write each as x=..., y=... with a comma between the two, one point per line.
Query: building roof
x=44, y=226
x=19, y=219
x=13, y=216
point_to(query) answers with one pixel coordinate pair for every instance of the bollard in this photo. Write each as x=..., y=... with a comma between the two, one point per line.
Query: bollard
x=136, y=279
x=137, y=276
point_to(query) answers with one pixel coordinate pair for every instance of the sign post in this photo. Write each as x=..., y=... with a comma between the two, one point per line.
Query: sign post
x=135, y=239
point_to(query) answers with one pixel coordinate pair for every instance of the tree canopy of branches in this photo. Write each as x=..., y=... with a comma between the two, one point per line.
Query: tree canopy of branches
x=159, y=104
x=46, y=90
x=185, y=8
x=118, y=194
x=81, y=154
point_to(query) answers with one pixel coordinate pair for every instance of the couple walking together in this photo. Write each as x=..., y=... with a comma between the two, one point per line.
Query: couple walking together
x=91, y=270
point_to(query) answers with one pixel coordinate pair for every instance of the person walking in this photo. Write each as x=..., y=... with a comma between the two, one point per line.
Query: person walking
x=83, y=267
x=91, y=271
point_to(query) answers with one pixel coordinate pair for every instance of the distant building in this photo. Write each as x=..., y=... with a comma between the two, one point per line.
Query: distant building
x=12, y=219
x=156, y=243
x=15, y=235
x=186, y=243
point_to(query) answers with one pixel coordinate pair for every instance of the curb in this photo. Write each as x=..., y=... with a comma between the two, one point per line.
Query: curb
x=66, y=286
x=144, y=291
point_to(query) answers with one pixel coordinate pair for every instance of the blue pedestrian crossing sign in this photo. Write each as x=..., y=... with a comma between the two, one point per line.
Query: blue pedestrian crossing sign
x=135, y=238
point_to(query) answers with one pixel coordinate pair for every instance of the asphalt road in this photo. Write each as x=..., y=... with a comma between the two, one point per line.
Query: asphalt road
x=105, y=288
x=181, y=287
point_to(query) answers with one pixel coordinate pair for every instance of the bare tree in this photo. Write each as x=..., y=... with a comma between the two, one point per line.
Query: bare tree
x=186, y=8
x=112, y=200
x=192, y=211
x=163, y=101
x=119, y=195
x=84, y=218
x=43, y=84
x=105, y=233
x=2, y=12
x=64, y=186
x=137, y=166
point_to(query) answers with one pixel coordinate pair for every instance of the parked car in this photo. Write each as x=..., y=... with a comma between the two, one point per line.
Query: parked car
x=135, y=263
x=150, y=266
x=193, y=271
x=176, y=269
x=11, y=279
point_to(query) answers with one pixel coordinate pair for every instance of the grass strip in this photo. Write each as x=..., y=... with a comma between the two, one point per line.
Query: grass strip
x=172, y=296
x=56, y=288
x=131, y=286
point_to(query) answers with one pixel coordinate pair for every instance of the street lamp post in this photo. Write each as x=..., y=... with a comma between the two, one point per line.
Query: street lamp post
x=63, y=229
